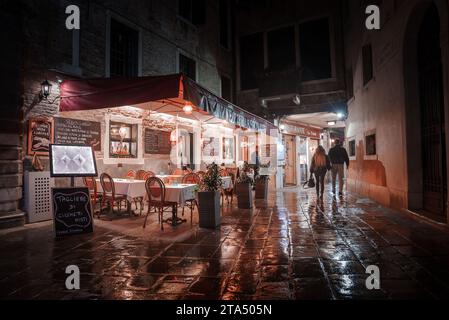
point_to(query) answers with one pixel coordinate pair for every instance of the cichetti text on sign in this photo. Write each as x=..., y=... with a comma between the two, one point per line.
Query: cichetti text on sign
x=72, y=211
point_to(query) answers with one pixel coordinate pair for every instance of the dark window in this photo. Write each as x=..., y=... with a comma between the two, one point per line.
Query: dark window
x=224, y=24
x=352, y=148
x=315, y=50
x=187, y=66
x=124, y=48
x=193, y=11
x=251, y=60
x=370, y=141
x=367, y=53
x=226, y=91
x=281, y=49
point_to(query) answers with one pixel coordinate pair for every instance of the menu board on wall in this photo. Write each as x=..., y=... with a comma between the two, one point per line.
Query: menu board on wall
x=211, y=147
x=157, y=142
x=78, y=132
x=40, y=136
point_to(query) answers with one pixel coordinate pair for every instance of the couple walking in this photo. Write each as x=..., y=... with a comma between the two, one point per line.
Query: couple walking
x=334, y=162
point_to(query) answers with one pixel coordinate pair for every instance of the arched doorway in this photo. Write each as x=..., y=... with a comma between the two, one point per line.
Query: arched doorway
x=426, y=142
x=433, y=142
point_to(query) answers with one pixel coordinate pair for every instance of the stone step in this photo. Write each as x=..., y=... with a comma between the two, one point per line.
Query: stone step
x=12, y=220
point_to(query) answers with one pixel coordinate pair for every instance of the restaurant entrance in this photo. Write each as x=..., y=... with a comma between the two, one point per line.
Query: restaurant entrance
x=290, y=160
x=169, y=129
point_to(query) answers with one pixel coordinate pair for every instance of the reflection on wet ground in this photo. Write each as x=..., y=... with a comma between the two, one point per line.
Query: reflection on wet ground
x=286, y=248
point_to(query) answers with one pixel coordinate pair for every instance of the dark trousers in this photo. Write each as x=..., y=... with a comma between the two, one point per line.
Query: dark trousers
x=319, y=177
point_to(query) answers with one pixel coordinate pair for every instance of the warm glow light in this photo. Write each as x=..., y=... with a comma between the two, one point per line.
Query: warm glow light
x=331, y=123
x=122, y=132
x=188, y=109
x=174, y=136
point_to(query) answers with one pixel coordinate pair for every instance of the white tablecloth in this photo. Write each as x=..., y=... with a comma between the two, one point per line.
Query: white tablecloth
x=130, y=188
x=226, y=182
x=171, y=177
x=180, y=193
x=136, y=188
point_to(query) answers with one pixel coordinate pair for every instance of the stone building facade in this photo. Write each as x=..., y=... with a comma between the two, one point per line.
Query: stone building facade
x=171, y=36
x=397, y=130
x=296, y=52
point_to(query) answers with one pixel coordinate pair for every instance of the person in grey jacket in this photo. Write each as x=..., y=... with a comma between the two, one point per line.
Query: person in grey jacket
x=339, y=157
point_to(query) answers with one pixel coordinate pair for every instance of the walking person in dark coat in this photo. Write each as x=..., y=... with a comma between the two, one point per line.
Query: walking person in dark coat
x=321, y=164
x=339, y=157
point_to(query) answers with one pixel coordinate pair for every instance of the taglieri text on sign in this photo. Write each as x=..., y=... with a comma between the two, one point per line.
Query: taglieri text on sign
x=72, y=211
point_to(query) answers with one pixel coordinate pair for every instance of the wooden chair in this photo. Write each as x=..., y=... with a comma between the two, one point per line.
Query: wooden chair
x=131, y=174
x=155, y=188
x=229, y=193
x=148, y=175
x=191, y=178
x=178, y=172
x=95, y=198
x=140, y=174
x=223, y=173
x=109, y=195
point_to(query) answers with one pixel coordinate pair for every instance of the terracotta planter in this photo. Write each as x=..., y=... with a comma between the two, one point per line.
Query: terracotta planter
x=262, y=188
x=209, y=209
x=244, y=196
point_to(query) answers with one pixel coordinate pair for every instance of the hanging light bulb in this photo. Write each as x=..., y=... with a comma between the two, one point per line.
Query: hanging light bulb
x=188, y=109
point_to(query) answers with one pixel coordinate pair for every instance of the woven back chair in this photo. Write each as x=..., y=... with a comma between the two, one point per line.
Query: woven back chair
x=131, y=174
x=140, y=174
x=155, y=189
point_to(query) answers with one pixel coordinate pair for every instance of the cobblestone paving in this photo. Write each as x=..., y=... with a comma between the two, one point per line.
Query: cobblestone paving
x=288, y=248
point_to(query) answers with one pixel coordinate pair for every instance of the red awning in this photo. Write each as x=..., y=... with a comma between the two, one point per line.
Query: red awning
x=89, y=94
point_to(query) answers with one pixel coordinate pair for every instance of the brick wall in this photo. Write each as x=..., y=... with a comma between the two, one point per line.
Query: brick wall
x=10, y=146
x=47, y=53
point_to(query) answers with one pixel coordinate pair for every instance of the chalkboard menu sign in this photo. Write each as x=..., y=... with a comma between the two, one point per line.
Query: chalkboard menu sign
x=72, y=211
x=40, y=136
x=157, y=142
x=78, y=132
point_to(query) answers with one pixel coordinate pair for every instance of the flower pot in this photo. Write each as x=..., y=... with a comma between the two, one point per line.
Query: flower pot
x=244, y=196
x=262, y=188
x=209, y=209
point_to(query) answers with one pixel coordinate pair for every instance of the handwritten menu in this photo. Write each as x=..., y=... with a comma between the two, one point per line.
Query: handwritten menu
x=78, y=132
x=72, y=211
x=157, y=142
x=40, y=135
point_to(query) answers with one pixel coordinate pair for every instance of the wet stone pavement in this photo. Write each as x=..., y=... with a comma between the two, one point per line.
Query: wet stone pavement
x=286, y=248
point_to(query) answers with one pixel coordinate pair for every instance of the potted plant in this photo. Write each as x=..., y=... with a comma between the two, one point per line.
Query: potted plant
x=261, y=181
x=209, y=198
x=244, y=188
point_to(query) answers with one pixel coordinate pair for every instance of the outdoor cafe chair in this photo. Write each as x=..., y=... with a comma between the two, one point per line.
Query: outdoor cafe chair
x=229, y=193
x=109, y=195
x=223, y=173
x=155, y=188
x=95, y=198
x=131, y=174
x=191, y=178
x=140, y=174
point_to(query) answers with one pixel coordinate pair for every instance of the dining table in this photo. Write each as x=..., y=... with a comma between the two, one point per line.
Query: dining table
x=174, y=192
x=170, y=178
x=226, y=182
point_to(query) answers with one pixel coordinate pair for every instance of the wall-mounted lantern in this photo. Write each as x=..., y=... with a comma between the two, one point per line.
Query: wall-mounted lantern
x=45, y=89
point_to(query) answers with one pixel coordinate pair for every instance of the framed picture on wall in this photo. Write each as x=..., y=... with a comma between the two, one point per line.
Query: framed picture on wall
x=211, y=147
x=40, y=136
x=228, y=149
